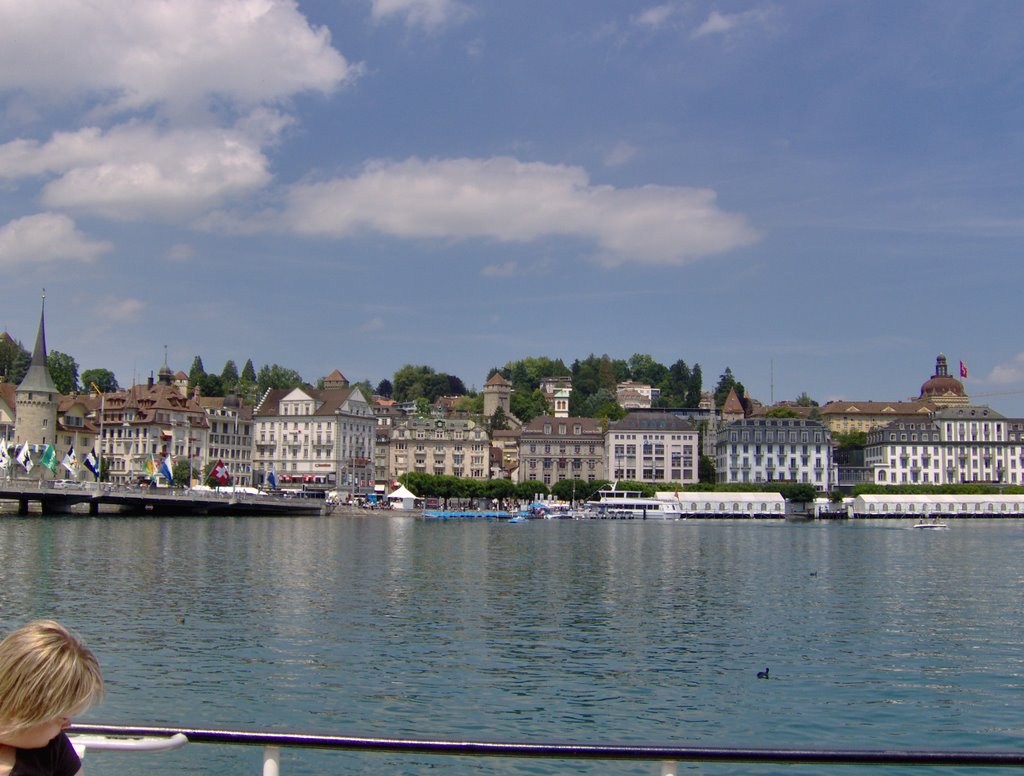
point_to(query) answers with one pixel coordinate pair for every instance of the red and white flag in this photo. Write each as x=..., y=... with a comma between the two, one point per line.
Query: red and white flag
x=963, y=370
x=220, y=473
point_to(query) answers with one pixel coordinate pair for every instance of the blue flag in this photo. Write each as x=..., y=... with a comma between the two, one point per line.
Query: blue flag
x=165, y=470
x=91, y=463
x=272, y=479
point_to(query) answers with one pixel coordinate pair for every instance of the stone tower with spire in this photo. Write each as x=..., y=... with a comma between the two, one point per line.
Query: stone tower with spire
x=37, y=397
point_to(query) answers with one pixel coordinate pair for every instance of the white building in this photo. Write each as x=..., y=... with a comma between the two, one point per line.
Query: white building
x=954, y=445
x=776, y=449
x=656, y=447
x=310, y=437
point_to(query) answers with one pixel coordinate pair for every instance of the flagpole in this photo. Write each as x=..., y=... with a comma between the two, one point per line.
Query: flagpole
x=99, y=465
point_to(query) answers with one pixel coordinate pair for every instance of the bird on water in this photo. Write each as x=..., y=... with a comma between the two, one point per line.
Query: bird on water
x=762, y=674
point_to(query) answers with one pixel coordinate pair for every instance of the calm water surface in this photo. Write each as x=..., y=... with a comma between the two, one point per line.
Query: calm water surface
x=551, y=631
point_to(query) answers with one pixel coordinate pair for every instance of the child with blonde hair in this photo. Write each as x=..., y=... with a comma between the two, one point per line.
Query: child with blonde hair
x=47, y=675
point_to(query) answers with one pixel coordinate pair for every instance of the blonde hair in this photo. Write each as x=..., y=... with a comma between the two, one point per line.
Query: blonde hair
x=46, y=672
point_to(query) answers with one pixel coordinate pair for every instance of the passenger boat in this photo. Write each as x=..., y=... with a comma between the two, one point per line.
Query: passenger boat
x=610, y=503
x=933, y=525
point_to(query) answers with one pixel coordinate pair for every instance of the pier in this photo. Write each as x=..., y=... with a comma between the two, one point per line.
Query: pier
x=66, y=498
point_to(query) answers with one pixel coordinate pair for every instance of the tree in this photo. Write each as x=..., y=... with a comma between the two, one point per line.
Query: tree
x=14, y=360
x=694, y=388
x=248, y=372
x=499, y=421
x=102, y=378
x=274, y=376
x=782, y=411
x=229, y=377
x=727, y=382
x=63, y=370
x=527, y=406
x=384, y=388
x=531, y=489
x=211, y=385
x=803, y=400
x=644, y=369
x=246, y=387
x=181, y=471
x=196, y=373
x=706, y=470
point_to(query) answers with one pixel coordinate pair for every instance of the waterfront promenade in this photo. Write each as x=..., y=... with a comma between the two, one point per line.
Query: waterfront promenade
x=96, y=497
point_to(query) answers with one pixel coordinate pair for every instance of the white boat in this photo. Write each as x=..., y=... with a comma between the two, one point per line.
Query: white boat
x=611, y=503
x=933, y=525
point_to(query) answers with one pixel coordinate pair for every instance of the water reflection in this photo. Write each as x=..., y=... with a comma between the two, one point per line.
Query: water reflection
x=591, y=632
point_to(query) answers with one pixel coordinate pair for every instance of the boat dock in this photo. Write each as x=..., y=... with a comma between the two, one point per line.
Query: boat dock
x=93, y=497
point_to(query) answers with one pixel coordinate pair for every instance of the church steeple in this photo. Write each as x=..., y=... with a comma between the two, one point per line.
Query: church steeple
x=37, y=378
x=37, y=397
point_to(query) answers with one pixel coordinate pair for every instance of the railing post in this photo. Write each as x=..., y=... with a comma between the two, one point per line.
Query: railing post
x=668, y=768
x=271, y=761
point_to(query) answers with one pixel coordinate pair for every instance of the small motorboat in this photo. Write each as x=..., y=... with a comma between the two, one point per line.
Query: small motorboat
x=933, y=525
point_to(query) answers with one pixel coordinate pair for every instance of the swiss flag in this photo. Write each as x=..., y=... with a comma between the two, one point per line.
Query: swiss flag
x=220, y=473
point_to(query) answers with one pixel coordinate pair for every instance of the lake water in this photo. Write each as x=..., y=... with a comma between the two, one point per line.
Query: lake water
x=876, y=635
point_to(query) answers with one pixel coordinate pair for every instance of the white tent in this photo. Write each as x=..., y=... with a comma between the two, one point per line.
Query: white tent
x=402, y=498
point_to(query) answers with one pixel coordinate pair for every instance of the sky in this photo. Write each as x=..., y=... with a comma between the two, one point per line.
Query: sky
x=821, y=197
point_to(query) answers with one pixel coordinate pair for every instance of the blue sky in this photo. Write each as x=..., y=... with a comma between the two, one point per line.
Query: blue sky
x=820, y=196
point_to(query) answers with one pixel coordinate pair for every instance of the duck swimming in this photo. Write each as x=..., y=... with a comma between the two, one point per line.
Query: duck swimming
x=762, y=674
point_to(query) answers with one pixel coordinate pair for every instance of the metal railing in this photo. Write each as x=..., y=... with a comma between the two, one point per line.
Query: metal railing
x=107, y=737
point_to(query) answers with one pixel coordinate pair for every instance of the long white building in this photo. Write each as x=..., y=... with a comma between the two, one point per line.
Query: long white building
x=954, y=445
x=776, y=449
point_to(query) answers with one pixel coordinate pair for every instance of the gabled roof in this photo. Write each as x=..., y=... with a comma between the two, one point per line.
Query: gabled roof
x=877, y=408
x=732, y=405
x=328, y=400
x=496, y=379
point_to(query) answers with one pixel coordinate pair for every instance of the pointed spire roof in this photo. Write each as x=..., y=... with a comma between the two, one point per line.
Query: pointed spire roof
x=37, y=378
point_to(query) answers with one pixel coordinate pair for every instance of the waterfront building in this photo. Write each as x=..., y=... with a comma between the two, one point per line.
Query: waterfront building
x=552, y=449
x=957, y=444
x=844, y=417
x=776, y=449
x=457, y=447
x=76, y=430
x=506, y=441
x=8, y=405
x=655, y=447
x=321, y=438
x=230, y=435
x=141, y=425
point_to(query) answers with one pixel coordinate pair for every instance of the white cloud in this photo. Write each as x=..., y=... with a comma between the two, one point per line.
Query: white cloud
x=180, y=252
x=428, y=14
x=508, y=200
x=177, y=52
x=1009, y=373
x=118, y=310
x=136, y=170
x=720, y=24
x=619, y=155
x=655, y=16
x=46, y=238
x=372, y=325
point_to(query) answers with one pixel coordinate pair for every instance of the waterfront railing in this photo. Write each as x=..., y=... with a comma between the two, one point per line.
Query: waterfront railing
x=151, y=739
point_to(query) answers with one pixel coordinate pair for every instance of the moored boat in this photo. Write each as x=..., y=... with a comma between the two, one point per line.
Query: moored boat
x=613, y=504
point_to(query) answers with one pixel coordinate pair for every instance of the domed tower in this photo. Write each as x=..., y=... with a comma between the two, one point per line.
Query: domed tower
x=37, y=397
x=942, y=388
x=497, y=393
